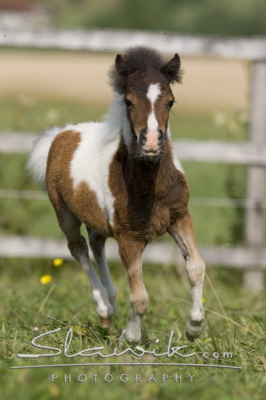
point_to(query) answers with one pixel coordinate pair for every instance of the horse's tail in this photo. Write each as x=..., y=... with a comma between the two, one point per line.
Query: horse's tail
x=37, y=161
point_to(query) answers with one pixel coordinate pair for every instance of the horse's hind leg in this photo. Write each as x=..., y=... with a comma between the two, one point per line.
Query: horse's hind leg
x=97, y=244
x=77, y=245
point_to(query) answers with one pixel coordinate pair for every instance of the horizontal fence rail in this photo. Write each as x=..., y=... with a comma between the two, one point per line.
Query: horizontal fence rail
x=160, y=253
x=111, y=40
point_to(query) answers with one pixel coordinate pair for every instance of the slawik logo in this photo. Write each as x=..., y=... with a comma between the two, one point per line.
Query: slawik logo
x=176, y=355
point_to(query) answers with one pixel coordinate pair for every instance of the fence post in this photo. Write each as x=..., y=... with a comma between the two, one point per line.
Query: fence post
x=255, y=213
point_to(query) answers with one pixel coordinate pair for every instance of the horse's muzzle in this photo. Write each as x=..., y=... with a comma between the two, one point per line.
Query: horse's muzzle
x=151, y=142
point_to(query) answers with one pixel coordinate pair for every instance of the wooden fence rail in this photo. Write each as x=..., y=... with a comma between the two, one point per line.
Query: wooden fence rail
x=112, y=41
x=252, y=257
x=157, y=252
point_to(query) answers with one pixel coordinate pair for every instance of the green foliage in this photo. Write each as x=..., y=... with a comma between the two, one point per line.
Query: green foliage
x=239, y=17
x=30, y=114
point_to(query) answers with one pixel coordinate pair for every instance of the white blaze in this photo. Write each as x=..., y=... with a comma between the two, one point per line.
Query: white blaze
x=153, y=93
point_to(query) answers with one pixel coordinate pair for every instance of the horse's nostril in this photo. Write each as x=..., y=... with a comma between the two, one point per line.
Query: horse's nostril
x=143, y=137
x=160, y=136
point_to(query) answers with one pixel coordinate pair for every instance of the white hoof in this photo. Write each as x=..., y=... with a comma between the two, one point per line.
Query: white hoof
x=130, y=335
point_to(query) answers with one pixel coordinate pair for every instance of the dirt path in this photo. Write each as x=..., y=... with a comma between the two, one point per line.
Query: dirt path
x=208, y=83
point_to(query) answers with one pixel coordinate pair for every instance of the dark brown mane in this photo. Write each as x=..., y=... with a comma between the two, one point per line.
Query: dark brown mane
x=139, y=58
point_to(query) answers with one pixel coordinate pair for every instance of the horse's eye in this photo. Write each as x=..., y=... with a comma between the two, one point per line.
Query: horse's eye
x=128, y=103
x=170, y=104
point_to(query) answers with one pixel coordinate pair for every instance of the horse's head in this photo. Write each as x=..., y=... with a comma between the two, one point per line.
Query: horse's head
x=144, y=78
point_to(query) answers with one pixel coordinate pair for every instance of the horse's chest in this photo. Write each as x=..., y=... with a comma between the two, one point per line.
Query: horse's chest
x=143, y=219
x=159, y=221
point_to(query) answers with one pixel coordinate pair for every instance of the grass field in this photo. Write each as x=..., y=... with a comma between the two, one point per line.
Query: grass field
x=235, y=320
x=235, y=323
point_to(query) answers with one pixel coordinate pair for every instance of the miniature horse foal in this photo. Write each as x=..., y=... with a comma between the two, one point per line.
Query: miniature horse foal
x=121, y=180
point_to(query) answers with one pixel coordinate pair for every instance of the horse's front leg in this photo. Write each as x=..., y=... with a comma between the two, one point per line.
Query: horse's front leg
x=130, y=253
x=182, y=232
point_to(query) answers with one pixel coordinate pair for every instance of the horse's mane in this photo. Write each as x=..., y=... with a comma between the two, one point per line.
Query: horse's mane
x=137, y=58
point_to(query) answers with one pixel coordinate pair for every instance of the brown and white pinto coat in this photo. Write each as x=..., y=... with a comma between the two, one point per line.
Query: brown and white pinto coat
x=121, y=180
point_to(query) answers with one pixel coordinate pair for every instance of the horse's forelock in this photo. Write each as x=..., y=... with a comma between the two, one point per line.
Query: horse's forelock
x=134, y=59
x=143, y=58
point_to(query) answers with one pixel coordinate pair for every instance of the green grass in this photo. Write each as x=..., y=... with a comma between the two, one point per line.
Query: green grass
x=31, y=114
x=235, y=321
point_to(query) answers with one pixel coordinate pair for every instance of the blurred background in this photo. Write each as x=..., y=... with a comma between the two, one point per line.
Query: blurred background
x=227, y=18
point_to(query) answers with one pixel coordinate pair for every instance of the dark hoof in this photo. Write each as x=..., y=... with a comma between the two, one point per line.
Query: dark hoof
x=106, y=323
x=193, y=330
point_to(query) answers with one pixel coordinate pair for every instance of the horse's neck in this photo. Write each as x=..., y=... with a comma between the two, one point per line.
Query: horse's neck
x=149, y=178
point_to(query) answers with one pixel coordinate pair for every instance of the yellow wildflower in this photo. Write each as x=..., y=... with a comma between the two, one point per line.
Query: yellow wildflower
x=45, y=279
x=80, y=330
x=57, y=262
x=203, y=299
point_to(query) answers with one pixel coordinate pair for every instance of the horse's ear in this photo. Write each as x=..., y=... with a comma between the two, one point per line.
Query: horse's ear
x=122, y=68
x=172, y=70
x=119, y=73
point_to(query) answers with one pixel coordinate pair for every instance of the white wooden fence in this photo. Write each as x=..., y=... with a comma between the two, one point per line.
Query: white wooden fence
x=252, y=256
